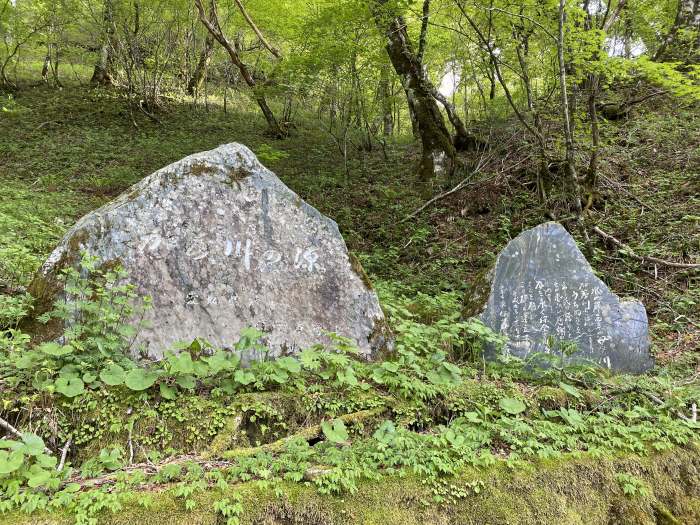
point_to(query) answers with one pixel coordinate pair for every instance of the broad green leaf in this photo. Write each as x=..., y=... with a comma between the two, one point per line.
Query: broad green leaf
x=46, y=461
x=572, y=417
x=201, y=368
x=113, y=375
x=33, y=444
x=244, y=377
x=512, y=406
x=56, y=350
x=26, y=361
x=222, y=360
x=571, y=390
x=390, y=366
x=186, y=381
x=10, y=461
x=289, y=364
x=335, y=432
x=39, y=477
x=8, y=443
x=70, y=386
x=385, y=432
x=181, y=363
x=140, y=379
x=167, y=391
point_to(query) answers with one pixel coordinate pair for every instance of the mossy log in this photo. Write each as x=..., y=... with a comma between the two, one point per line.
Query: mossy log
x=308, y=434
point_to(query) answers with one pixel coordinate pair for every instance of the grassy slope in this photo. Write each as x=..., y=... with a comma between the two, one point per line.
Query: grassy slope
x=66, y=152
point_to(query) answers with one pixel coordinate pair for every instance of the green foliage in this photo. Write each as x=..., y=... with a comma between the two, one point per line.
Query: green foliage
x=444, y=409
x=13, y=309
x=267, y=153
x=512, y=406
x=335, y=431
x=25, y=464
x=109, y=459
x=632, y=486
x=95, y=311
x=427, y=324
x=439, y=420
x=230, y=509
x=683, y=84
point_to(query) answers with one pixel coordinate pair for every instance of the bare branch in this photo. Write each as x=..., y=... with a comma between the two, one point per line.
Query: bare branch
x=64, y=453
x=608, y=21
x=257, y=31
x=465, y=182
x=642, y=258
x=12, y=430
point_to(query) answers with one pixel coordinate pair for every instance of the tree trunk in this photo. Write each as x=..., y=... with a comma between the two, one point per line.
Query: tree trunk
x=200, y=71
x=384, y=92
x=463, y=141
x=439, y=154
x=491, y=75
x=569, y=165
x=682, y=43
x=211, y=22
x=55, y=64
x=592, y=175
x=411, y=102
x=102, y=74
x=45, y=68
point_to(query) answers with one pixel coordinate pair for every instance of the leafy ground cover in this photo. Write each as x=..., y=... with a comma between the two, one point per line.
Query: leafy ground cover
x=199, y=436
x=197, y=421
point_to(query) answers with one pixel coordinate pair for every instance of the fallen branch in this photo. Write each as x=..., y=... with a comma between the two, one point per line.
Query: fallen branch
x=660, y=402
x=307, y=434
x=613, y=110
x=146, y=468
x=642, y=258
x=463, y=184
x=64, y=453
x=12, y=430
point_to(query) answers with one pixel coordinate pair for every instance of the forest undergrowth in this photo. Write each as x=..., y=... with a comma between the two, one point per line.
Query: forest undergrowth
x=102, y=431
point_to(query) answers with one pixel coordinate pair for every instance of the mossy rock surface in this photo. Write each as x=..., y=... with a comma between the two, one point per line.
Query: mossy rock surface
x=564, y=492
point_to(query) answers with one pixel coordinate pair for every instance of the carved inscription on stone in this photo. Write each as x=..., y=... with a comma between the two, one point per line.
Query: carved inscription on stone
x=545, y=297
x=220, y=244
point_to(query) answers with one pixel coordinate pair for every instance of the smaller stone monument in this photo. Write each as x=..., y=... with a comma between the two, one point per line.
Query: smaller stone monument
x=545, y=297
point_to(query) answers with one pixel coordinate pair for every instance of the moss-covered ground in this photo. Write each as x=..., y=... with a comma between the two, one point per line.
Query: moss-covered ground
x=583, y=491
x=65, y=152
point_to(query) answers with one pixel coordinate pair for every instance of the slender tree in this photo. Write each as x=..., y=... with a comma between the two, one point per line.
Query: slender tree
x=438, y=151
x=211, y=22
x=682, y=42
x=102, y=74
x=200, y=70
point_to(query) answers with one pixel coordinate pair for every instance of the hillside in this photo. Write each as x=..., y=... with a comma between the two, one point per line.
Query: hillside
x=72, y=150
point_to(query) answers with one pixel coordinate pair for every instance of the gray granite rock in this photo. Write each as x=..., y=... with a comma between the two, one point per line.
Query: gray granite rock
x=544, y=292
x=220, y=244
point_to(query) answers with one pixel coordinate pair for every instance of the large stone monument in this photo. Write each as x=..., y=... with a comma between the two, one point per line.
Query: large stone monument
x=545, y=297
x=220, y=244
